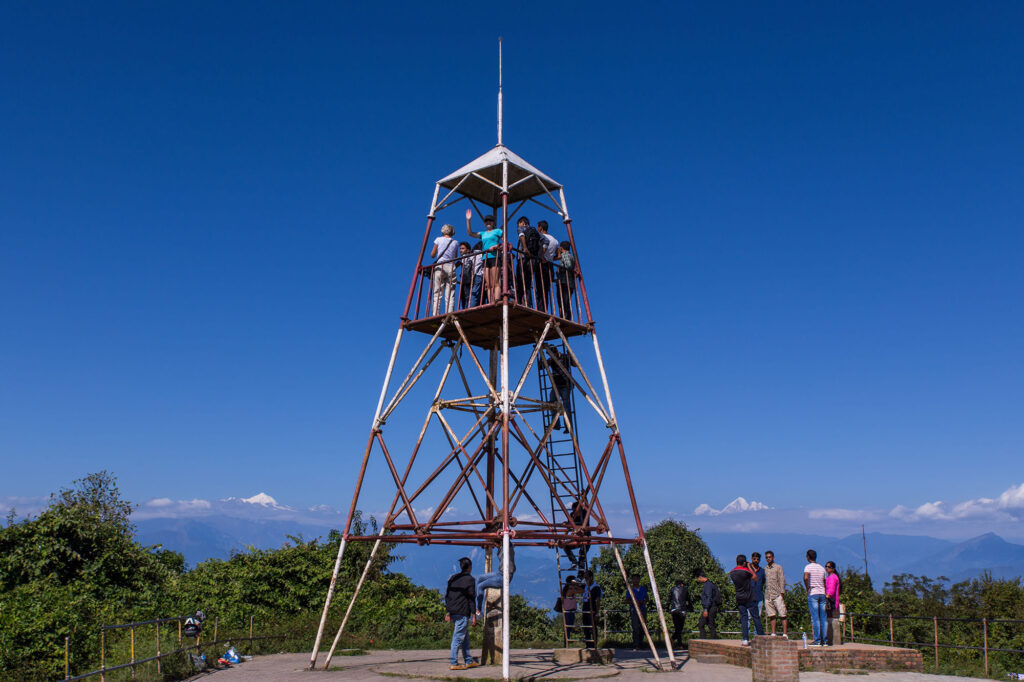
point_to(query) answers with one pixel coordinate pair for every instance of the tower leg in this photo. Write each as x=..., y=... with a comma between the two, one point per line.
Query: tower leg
x=351, y=603
x=327, y=606
x=661, y=611
x=355, y=500
x=505, y=665
x=632, y=598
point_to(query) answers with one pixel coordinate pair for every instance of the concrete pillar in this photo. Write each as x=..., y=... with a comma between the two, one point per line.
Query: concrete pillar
x=491, y=652
x=774, y=659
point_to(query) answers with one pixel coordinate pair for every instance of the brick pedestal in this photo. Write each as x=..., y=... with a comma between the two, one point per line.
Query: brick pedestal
x=490, y=653
x=774, y=659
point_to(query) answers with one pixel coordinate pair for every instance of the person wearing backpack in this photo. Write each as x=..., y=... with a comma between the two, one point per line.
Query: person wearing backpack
x=565, y=269
x=711, y=602
x=546, y=281
x=458, y=603
x=193, y=625
x=528, y=272
x=442, y=276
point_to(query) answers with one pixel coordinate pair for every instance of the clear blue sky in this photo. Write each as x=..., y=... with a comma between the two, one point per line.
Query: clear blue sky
x=801, y=228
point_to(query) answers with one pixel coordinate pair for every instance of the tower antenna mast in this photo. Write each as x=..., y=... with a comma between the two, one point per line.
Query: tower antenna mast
x=499, y=91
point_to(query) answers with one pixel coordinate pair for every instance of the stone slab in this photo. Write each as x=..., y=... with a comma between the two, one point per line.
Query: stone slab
x=574, y=655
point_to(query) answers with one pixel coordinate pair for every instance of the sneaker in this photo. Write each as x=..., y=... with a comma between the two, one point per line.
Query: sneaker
x=472, y=664
x=785, y=636
x=456, y=666
x=744, y=643
x=773, y=634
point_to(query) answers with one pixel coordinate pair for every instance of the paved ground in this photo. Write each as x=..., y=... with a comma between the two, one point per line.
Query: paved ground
x=534, y=664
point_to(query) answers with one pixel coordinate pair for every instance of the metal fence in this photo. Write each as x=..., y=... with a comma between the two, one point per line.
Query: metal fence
x=935, y=644
x=175, y=638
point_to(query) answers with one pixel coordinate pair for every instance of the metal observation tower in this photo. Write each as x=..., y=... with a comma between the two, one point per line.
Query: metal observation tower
x=498, y=460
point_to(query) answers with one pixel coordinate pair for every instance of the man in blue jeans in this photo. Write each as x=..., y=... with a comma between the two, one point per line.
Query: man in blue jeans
x=743, y=578
x=458, y=602
x=814, y=581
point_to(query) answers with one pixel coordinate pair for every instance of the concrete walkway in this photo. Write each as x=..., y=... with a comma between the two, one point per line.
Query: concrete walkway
x=530, y=664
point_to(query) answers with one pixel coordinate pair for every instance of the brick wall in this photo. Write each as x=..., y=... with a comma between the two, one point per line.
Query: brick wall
x=733, y=654
x=876, y=658
x=774, y=659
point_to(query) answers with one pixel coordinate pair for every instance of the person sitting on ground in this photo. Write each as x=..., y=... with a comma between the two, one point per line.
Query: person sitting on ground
x=711, y=602
x=774, y=593
x=833, y=586
x=494, y=579
x=458, y=603
x=743, y=579
x=445, y=253
x=679, y=604
x=491, y=240
x=637, y=618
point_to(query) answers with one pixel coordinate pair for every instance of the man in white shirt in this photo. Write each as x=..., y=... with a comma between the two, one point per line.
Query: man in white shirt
x=814, y=581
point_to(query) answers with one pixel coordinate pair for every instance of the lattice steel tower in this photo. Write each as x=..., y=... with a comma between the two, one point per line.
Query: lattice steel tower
x=491, y=479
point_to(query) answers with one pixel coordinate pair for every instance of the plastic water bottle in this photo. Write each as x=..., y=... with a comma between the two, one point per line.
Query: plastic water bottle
x=804, y=634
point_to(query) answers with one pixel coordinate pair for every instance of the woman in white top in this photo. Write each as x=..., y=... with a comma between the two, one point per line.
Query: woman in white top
x=446, y=252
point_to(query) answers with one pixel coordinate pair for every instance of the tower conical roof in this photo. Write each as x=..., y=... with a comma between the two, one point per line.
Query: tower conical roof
x=481, y=178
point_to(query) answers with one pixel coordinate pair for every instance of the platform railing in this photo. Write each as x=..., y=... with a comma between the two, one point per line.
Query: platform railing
x=460, y=284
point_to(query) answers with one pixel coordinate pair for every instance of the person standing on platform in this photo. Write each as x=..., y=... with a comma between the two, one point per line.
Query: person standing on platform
x=478, y=274
x=755, y=566
x=446, y=254
x=814, y=581
x=491, y=241
x=592, y=593
x=710, y=602
x=743, y=579
x=529, y=257
x=565, y=279
x=679, y=604
x=774, y=593
x=637, y=618
x=465, y=275
x=458, y=602
x=545, y=276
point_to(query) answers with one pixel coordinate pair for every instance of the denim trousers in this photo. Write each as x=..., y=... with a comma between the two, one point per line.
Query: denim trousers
x=460, y=640
x=816, y=605
x=484, y=581
x=474, y=297
x=748, y=612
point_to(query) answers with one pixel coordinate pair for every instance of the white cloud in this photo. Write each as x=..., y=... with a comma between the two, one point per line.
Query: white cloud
x=160, y=502
x=839, y=514
x=735, y=507
x=1012, y=498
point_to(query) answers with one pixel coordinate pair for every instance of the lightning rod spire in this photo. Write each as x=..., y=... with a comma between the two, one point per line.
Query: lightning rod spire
x=499, y=90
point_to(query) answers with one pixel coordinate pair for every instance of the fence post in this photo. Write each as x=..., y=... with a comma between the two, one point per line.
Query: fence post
x=67, y=674
x=158, y=672
x=892, y=641
x=250, y=632
x=604, y=620
x=103, y=665
x=984, y=631
x=935, y=622
x=853, y=635
x=179, y=632
x=216, y=622
x=132, y=629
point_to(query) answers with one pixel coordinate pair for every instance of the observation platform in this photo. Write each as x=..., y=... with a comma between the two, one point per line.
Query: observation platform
x=537, y=291
x=482, y=325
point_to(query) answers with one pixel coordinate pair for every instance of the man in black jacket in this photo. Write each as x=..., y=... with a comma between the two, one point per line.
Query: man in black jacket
x=710, y=602
x=743, y=578
x=679, y=604
x=459, y=607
